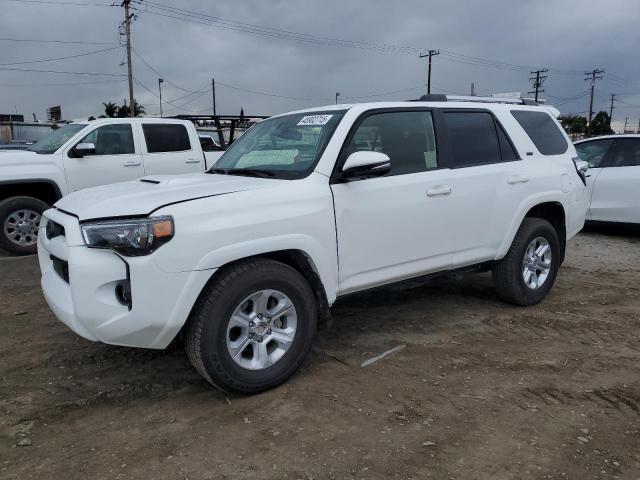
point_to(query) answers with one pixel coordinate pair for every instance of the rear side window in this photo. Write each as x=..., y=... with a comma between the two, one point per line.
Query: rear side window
x=474, y=138
x=625, y=152
x=542, y=130
x=166, y=137
x=506, y=148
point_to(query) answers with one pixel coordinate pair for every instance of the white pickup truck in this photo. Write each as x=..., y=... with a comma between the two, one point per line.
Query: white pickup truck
x=83, y=155
x=307, y=207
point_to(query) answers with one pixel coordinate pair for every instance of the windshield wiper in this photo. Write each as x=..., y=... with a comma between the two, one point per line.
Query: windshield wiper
x=250, y=172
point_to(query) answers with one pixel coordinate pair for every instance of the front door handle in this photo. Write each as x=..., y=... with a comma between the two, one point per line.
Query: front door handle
x=192, y=160
x=131, y=164
x=517, y=179
x=439, y=190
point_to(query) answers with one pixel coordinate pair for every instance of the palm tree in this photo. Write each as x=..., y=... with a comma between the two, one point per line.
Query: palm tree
x=110, y=109
x=123, y=111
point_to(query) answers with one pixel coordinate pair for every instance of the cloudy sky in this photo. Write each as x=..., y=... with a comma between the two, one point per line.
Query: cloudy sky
x=261, y=51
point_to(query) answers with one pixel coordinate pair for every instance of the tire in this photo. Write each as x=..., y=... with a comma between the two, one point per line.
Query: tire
x=20, y=239
x=210, y=329
x=509, y=273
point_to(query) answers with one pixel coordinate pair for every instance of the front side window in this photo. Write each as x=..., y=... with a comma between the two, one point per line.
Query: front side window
x=282, y=147
x=542, y=130
x=166, y=137
x=112, y=140
x=593, y=152
x=473, y=137
x=625, y=152
x=407, y=138
x=54, y=141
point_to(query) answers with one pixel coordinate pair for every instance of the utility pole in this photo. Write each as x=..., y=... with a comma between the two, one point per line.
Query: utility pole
x=626, y=120
x=429, y=54
x=538, y=81
x=613, y=97
x=160, y=80
x=592, y=76
x=127, y=29
x=213, y=92
x=337, y=95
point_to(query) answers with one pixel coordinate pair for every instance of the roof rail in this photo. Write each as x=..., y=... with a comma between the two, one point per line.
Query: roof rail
x=461, y=98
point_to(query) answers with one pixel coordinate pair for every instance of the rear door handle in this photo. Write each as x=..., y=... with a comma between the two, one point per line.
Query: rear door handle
x=131, y=164
x=192, y=160
x=439, y=190
x=517, y=179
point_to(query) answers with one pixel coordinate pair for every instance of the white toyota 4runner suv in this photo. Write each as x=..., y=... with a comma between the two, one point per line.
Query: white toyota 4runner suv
x=306, y=207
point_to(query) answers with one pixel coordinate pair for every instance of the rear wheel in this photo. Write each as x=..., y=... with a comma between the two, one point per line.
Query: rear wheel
x=527, y=273
x=19, y=221
x=253, y=327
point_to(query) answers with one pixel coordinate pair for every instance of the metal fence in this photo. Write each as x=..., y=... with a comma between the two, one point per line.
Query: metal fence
x=24, y=131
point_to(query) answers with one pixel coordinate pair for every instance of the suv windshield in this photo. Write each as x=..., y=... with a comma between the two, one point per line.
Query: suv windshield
x=53, y=142
x=282, y=147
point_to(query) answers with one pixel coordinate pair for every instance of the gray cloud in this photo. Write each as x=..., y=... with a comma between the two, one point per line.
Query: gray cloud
x=568, y=37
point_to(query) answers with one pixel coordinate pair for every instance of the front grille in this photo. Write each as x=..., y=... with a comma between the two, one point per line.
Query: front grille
x=61, y=267
x=54, y=229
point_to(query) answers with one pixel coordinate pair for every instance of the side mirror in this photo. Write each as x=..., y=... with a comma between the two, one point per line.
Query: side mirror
x=582, y=168
x=83, y=149
x=365, y=164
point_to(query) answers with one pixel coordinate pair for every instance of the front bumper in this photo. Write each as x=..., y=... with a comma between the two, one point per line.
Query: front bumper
x=81, y=285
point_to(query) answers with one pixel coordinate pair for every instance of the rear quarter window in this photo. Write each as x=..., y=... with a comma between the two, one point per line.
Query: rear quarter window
x=542, y=130
x=166, y=137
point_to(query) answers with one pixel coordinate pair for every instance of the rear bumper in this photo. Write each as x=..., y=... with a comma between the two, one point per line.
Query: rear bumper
x=88, y=303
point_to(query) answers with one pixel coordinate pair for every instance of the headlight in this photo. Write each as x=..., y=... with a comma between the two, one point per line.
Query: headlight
x=131, y=237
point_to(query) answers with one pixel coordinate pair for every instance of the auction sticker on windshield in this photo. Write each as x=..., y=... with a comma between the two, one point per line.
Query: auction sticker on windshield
x=315, y=120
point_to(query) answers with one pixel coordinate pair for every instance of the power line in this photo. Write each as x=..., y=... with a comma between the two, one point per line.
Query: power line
x=51, y=2
x=571, y=99
x=11, y=69
x=150, y=67
x=64, y=42
x=58, y=84
x=138, y=82
x=61, y=58
x=204, y=19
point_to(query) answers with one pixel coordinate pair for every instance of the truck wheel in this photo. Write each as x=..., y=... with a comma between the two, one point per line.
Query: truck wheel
x=253, y=326
x=527, y=273
x=19, y=221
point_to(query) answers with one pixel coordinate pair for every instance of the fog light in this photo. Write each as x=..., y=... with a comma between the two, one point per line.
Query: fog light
x=123, y=293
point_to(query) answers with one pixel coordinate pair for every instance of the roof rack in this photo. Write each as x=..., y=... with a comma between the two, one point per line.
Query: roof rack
x=439, y=97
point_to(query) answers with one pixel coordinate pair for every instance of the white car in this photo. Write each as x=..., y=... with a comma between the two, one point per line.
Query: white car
x=307, y=207
x=614, y=177
x=82, y=155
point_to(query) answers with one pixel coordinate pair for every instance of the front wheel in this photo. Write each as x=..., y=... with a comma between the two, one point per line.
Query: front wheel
x=527, y=273
x=253, y=326
x=19, y=221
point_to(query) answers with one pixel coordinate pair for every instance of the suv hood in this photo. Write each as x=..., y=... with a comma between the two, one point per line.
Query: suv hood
x=143, y=196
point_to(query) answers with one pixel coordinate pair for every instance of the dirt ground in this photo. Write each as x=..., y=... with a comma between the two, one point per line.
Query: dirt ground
x=483, y=390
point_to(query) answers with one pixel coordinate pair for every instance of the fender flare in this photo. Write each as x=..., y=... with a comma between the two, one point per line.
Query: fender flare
x=47, y=181
x=525, y=207
x=323, y=263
